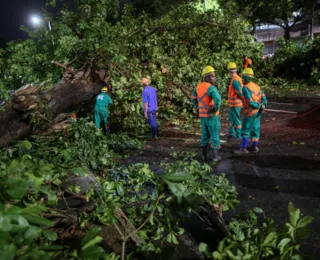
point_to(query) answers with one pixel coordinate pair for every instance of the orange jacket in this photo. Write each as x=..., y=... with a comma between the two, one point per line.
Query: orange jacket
x=205, y=102
x=233, y=98
x=255, y=96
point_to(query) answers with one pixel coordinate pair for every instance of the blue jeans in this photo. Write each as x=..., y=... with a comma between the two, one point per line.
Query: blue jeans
x=152, y=121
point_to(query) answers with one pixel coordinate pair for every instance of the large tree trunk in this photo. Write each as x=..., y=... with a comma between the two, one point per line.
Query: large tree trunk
x=15, y=115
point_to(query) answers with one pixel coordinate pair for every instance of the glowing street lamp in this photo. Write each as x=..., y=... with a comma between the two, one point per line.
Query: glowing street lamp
x=36, y=20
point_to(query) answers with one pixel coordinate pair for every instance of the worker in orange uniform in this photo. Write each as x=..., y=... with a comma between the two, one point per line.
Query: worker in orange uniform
x=247, y=62
x=234, y=101
x=207, y=100
x=254, y=103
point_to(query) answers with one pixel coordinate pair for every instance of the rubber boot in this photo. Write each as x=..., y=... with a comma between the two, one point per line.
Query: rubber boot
x=241, y=151
x=254, y=147
x=216, y=157
x=204, y=152
x=243, y=148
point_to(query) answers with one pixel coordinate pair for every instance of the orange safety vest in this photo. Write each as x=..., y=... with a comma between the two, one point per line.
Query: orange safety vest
x=255, y=96
x=233, y=98
x=246, y=63
x=205, y=102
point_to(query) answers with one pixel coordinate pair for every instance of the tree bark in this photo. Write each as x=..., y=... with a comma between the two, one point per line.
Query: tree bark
x=14, y=122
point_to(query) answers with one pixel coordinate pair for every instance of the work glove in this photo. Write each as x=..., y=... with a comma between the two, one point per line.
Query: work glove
x=212, y=111
x=262, y=108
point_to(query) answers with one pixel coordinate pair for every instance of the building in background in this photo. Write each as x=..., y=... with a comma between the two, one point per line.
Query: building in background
x=269, y=34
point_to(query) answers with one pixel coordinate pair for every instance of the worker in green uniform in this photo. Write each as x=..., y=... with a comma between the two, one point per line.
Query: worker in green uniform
x=234, y=101
x=254, y=104
x=207, y=100
x=103, y=100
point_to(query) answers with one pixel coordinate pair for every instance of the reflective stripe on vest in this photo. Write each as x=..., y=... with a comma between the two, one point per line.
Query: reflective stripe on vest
x=205, y=102
x=255, y=96
x=233, y=98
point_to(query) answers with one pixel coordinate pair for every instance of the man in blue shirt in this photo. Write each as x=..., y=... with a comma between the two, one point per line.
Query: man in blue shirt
x=150, y=106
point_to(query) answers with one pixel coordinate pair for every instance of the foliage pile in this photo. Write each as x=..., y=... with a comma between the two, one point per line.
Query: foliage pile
x=249, y=241
x=38, y=168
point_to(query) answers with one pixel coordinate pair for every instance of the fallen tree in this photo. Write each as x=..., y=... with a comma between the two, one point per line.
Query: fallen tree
x=16, y=115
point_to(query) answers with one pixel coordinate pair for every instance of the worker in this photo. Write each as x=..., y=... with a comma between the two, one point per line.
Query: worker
x=254, y=103
x=150, y=107
x=207, y=100
x=247, y=62
x=234, y=101
x=103, y=100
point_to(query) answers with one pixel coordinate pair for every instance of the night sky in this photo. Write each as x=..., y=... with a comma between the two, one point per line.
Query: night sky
x=15, y=13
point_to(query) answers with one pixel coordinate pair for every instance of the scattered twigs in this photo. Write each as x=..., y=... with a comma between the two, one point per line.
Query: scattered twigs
x=125, y=237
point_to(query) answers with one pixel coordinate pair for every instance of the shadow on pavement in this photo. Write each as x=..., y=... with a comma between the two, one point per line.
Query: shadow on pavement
x=280, y=162
x=298, y=187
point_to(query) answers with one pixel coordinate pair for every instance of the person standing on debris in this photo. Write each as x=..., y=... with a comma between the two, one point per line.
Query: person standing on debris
x=207, y=100
x=254, y=103
x=103, y=100
x=150, y=107
x=234, y=101
x=247, y=62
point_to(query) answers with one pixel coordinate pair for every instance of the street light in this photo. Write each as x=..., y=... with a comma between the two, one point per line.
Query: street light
x=36, y=20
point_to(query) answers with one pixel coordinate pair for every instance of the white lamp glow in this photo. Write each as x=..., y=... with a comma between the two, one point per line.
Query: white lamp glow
x=36, y=20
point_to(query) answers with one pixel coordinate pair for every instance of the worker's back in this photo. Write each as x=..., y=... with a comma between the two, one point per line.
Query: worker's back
x=103, y=100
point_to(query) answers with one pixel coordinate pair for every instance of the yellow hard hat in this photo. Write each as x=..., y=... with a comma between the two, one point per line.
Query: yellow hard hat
x=207, y=70
x=104, y=89
x=248, y=72
x=145, y=81
x=232, y=66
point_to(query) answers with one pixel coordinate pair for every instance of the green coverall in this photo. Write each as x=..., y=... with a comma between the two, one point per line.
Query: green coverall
x=101, y=112
x=234, y=113
x=210, y=126
x=251, y=124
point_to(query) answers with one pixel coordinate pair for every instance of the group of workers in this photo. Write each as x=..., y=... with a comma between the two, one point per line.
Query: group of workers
x=243, y=94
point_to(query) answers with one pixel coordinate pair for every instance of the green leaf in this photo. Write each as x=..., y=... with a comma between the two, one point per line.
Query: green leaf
x=177, y=189
x=204, y=249
x=258, y=210
x=90, y=235
x=92, y=253
x=178, y=177
x=32, y=233
x=8, y=252
x=26, y=144
x=175, y=240
x=119, y=189
x=143, y=235
x=37, y=220
x=305, y=221
x=92, y=242
x=283, y=244
x=80, y=171
x=270, y=240
x=294, y=214
x=50, y=235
